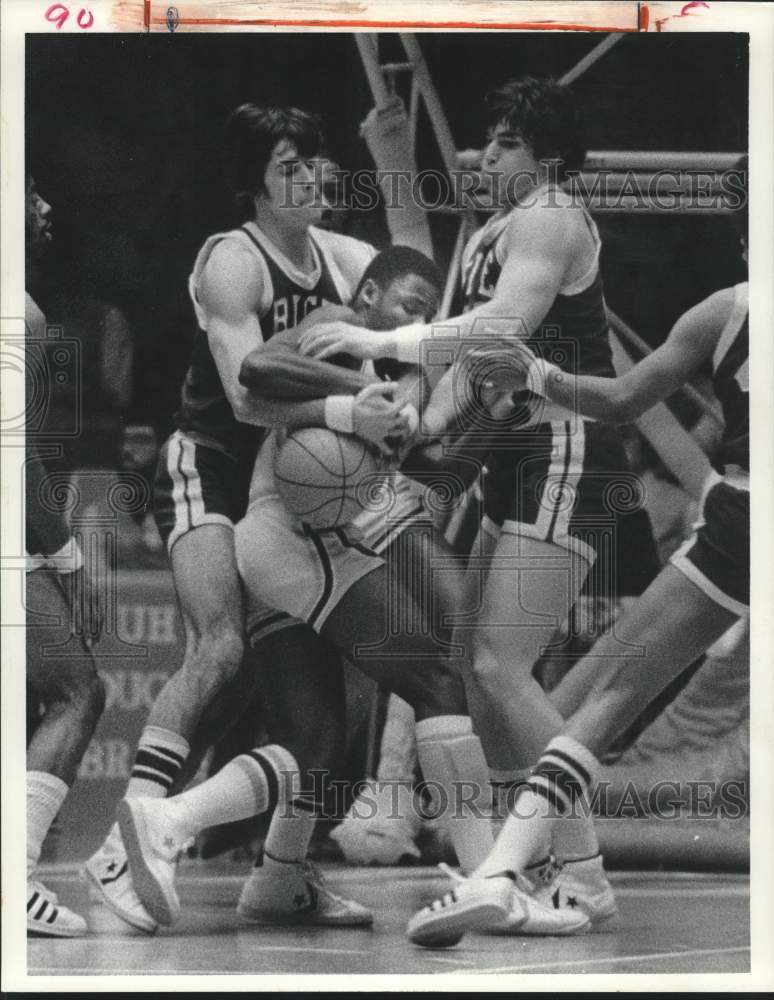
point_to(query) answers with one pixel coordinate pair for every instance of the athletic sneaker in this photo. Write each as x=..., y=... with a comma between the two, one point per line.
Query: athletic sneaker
x=474, y=904
x=111, y=882
x=153, y=846
x=543, y=914
x=46, y=917
x=294, y=892
x=583, y=885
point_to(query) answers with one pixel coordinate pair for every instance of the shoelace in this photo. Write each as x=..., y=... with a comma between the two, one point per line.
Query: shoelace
x=314, y=877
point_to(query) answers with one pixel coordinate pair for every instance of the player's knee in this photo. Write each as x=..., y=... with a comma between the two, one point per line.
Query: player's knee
x=488, y=663
x=76, y=685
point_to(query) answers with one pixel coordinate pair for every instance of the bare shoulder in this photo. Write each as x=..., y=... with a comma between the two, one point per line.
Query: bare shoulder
x=547, y=222
x=231, y=281
x=351, y=256
x=711, y=314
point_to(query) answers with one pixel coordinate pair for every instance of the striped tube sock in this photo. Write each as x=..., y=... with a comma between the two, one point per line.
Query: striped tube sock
x=160, y=755
x=556, y=793
x=250, y=784
x=574, y=836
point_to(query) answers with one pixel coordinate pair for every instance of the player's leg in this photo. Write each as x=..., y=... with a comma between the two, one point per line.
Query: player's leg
x=374, y=831
x=448, y=750
x=155, y=832
x=685, y=610
x=530, y=587
x=670, y=625
x=73, y=697
x=305, y=709
x=194, y=502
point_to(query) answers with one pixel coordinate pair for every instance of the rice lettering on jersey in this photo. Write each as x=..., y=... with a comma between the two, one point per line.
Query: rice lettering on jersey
x=205, y=412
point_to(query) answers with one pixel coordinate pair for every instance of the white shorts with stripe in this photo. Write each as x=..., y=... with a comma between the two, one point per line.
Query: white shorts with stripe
x=288, y=566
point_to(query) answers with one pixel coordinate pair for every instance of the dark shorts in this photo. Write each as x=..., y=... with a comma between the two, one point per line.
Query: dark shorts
x=195, y=485
x=717, y=555
x=568, y=482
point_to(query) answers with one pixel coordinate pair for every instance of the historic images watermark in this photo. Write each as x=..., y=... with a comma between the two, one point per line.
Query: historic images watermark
x=466, y=190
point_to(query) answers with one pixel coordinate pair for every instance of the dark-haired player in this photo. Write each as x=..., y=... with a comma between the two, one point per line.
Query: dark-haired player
x=68, y=688
x=247, y=285
x=531, y=273
x=695, y=599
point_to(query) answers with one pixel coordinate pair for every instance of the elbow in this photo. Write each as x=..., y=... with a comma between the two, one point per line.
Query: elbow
x=621, y=409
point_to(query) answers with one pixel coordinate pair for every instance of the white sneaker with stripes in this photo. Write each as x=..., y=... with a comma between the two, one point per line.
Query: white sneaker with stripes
x=46, y=917
x=111, y=883
x=473, y=904
x=295, y=892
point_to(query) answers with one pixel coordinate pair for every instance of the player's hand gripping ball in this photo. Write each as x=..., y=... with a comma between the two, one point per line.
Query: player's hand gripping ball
x=325, y=477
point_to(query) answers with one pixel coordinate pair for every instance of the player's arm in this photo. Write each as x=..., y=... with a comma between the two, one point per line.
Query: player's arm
x=231, y=291
x=691, y=341
x=277, y=371
x=49, y=535
x=47, y=525
x=536, y=259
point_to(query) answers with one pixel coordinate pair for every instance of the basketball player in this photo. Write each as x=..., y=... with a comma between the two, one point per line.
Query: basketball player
x=57, y=584
x=531, y=273
x=247, y=285
x=695, y=599
x=338, y=584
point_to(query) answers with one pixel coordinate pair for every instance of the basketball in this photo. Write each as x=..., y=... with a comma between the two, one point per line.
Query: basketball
x=319, y=472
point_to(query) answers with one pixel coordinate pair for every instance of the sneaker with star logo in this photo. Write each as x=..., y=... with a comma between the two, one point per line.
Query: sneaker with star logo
x=153, y=846
x=295, y=892
x=111, y=883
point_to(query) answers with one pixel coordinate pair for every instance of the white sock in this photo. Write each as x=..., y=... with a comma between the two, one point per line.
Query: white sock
x=574, y=836
x=451, y=755
x=248, y=785
x=506, y=785
x=45, y=795
x=290, y=830
x=398, y=751
x=557, y=793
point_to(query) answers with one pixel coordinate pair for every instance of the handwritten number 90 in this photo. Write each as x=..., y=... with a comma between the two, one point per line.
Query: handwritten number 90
x=57, y=14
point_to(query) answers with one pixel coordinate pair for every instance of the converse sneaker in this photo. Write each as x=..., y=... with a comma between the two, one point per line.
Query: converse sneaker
x=294, y=892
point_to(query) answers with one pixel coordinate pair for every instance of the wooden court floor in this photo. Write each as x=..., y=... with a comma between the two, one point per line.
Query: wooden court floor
x=670, y=923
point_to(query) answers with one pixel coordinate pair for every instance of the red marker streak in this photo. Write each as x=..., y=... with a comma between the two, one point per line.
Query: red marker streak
x=694, y=3
x=643, y=18
x=146, y=14
x=346, y=23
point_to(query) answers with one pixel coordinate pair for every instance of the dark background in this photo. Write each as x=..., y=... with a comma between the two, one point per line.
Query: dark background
x=123, y=139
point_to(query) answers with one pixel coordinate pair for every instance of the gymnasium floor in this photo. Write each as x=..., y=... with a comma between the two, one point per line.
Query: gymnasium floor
x=670, y=923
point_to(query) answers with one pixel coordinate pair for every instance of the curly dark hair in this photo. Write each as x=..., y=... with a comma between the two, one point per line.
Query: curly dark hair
x=395, y=262
x=545, y=116
x=250, y=135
